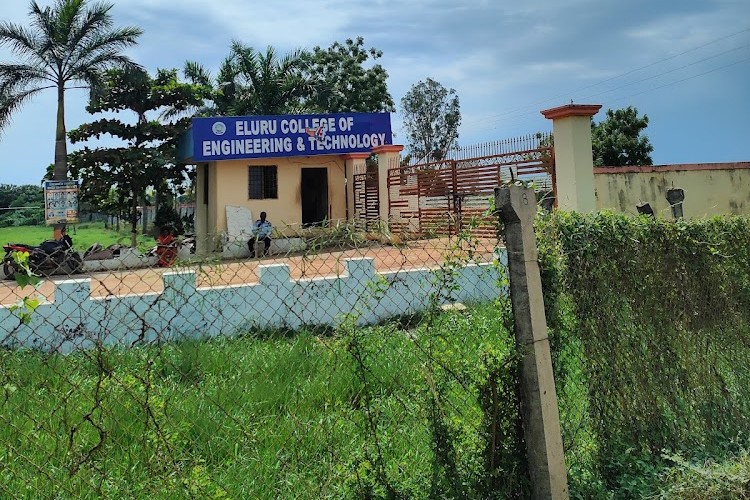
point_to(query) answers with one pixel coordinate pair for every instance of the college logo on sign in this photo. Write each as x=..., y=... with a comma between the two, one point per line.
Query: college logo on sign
x=317, y=133
x=219, y=128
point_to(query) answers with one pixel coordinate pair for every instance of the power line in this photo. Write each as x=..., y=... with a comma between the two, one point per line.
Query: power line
x=682, y=80
x=525, y=109
x=635, y=70
x=668, y=71
x=528, y=119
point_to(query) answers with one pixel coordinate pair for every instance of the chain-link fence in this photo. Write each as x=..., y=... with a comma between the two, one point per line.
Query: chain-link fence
x=345, y=363
x=353, y=363
x=650, y=322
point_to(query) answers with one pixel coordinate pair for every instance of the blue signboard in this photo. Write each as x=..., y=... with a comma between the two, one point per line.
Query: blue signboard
x=236, y=137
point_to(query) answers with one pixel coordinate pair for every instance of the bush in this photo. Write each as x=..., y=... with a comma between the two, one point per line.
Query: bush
x=709, y=480
x=649, y=321
x=167, y=216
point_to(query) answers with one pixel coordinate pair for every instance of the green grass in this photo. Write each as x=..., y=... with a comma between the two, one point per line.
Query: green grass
x=293, y=415
x=84, y=235
x=707, y=480
x=278, y=415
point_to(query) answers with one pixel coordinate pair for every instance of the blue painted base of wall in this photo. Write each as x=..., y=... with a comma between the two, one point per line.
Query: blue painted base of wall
x=74, y=320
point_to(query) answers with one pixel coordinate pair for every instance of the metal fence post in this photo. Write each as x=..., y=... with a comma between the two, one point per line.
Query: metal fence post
x=516, y=206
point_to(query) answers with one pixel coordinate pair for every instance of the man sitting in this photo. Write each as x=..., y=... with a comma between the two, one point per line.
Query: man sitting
x=261, y=232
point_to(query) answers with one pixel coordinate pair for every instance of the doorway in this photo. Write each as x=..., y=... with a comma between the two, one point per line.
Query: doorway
x=314, y=194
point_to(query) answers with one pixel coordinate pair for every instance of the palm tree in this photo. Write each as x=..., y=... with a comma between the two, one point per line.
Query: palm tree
x=67, y=45
x=251, y=82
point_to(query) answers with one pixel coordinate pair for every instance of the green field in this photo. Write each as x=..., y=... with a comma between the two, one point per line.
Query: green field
x=84, y=235
x=393, y=411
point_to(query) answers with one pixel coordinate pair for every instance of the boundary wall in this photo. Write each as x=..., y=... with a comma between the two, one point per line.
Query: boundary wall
x=710, y=188
x=74, y=320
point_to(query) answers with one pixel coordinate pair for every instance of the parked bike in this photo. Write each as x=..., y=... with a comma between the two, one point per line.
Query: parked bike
x=50, y=257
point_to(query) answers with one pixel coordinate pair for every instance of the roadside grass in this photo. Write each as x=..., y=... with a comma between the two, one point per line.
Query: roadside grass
x=261, y=416
x=282, y=414
x=84, y=235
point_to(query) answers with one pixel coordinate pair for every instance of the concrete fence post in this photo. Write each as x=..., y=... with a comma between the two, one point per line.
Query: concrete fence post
x=516, y=206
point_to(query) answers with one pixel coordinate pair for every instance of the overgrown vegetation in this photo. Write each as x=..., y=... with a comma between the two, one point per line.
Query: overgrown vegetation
x=650, y=322
x=24, y=205
x=263, y=416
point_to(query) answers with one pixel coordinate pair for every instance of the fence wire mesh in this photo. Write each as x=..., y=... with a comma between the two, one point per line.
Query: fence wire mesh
x=650, y=321
x=354, y=364
x=362, y=363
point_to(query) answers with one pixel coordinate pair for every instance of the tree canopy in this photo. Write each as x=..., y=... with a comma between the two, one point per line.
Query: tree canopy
x=251, y=82
x=333, y=80
x=26, y=204
x=432, y=115
x=619, y=140
x=67, y=45
x=147, y=158
x=343, y=83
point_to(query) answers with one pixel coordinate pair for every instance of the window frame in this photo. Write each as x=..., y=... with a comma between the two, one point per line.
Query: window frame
x=262, y=182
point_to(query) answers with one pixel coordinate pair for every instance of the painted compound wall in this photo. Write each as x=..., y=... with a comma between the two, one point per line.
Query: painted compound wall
x=76, y=321
x=710, y=189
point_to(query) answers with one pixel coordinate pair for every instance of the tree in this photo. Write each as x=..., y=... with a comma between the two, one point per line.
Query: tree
x=251, y=82
x=148, y=157
x=27, y=203
x=343, y=84
x=432, y=115
x=66, y=46
x=619, y=140
x=333, y=80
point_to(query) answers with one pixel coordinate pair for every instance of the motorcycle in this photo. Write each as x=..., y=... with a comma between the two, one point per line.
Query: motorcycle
x=50, y=257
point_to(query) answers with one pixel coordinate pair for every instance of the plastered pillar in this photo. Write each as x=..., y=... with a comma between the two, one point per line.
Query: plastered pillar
x=574, y=163
x=388, y=157
x=355, y=164
x=201, y=210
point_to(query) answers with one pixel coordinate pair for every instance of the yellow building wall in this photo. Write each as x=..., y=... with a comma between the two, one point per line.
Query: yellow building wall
x=230, y=188
x=710, y=189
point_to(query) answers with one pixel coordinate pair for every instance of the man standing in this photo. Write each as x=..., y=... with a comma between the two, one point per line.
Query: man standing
x=261, y=232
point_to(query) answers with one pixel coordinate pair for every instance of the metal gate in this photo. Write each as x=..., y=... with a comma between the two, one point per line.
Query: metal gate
x=448, y=196
x=366, y=199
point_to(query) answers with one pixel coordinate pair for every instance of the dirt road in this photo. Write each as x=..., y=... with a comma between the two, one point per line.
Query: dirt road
x=429, y=253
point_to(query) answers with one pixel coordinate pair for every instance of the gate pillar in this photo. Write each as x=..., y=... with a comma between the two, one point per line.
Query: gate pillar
x=388, y=157
x=574, y=163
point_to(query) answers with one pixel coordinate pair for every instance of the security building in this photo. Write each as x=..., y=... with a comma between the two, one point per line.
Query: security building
x=297, y=168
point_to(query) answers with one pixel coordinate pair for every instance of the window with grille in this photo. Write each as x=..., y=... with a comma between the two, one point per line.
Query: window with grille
x=262, y=183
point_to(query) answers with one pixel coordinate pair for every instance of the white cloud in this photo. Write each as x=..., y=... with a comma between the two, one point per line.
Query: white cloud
x=506, y=60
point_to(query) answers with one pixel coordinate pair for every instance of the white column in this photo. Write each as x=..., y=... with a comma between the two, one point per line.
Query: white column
x=388, y=156
x=574, y=164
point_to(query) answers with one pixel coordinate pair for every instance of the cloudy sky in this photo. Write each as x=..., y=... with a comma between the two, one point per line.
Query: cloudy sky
x=684, y=63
